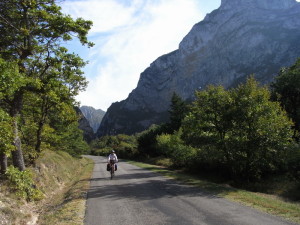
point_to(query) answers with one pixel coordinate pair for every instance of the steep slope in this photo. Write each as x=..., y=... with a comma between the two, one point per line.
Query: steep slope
x=83, y=124
x=242, y=37
x=94, y=116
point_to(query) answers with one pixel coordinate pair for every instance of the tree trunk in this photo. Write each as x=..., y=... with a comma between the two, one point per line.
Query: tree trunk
x=39, y=137
x=17, y=154
x=3, y=163
x=44, y=112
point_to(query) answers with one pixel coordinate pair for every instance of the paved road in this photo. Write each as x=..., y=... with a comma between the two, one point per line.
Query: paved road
x=138, y=196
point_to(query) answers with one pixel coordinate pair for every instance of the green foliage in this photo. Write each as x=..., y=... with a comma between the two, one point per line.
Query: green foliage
x=124, y=145
x=286, y=90
x=240, y=129
x=10, y=79
x=174, y=147
x=147, y=140
x=178, y=111
x=261, y=131
x=68, y=139
x=239, y=133
x=33, y=26
x=72, y=141
x=293, y=161
x=22, y=183
x=209, y=119
x=40, y=77
x=59, y=130
x=6, y=133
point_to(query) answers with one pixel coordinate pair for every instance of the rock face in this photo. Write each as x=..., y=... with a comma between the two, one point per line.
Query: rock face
x=240, y=38
x=94, y=116
x=83, y=124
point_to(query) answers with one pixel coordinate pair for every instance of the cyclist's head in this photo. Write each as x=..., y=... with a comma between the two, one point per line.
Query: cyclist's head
x=112, y=151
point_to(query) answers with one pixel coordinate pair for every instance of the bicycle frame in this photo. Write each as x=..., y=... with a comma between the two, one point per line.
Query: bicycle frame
x=112, y=169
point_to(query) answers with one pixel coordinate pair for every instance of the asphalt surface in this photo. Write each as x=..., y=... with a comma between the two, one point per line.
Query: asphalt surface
x=140, y=197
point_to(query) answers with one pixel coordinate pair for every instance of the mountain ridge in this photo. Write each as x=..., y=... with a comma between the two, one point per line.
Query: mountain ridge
x=94, y=116
x=228, y=45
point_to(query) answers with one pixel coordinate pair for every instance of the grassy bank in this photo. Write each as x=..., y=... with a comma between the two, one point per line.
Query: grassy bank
x=63, y=180
x=270, y=203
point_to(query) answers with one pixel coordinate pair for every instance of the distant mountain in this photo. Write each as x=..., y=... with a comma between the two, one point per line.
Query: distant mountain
x=240, y=38
x=94, y=116
x=88, y=133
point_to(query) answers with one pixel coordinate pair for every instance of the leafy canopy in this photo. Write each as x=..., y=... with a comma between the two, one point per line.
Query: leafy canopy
x=240, y=129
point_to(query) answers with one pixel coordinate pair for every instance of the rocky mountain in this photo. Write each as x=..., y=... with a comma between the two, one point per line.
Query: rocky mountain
x=94, y=116
x=83, y=124
x=240, y=38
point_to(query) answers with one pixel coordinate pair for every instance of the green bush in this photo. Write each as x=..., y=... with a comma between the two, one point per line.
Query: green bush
x=147, y=145
x=22, y=183
x=173, y=146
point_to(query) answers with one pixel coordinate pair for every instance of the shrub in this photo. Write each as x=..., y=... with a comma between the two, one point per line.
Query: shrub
x=173, y=146
x=22, y=183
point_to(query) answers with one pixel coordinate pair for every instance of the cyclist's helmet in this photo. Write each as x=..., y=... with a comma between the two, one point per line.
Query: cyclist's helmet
x=112, y=151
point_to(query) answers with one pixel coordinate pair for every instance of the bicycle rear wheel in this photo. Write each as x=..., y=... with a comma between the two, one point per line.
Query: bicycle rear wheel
x=112, y=171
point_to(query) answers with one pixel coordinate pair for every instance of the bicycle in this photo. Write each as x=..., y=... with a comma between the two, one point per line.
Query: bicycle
x=112, y=169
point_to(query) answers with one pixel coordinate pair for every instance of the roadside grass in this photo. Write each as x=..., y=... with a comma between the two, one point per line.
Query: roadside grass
x=66, y=180
x=12, y=210
x=271, y=203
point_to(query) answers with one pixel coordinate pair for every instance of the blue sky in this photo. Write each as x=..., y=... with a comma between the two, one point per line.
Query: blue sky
x=128, y=36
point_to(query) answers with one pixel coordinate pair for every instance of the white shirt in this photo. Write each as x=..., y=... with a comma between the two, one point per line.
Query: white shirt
x=112, y=156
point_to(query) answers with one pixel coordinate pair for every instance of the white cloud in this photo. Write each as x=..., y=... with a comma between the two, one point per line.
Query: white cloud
x=128, y=38
x=105, y=14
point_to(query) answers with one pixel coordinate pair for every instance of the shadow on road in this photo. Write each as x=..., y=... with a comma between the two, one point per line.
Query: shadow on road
x=146, y=186
x=141, y=184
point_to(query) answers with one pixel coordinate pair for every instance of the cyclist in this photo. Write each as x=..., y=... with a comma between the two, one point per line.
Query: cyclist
x=113, y=157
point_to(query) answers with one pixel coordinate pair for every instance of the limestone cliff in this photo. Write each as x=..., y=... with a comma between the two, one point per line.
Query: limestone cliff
x=83, y=124
x=94, y=116
x=240, y=38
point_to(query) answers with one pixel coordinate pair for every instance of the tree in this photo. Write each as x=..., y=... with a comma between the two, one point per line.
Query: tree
x=11, y=80
x=31, y=33
x=240, y=129
x=261, y=132
x=209, y=119
x=286, y=90
x=147, y=144
x=178, y=110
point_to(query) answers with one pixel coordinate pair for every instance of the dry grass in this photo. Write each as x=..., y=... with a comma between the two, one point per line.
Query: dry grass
x=64, y=180
x=69, y=180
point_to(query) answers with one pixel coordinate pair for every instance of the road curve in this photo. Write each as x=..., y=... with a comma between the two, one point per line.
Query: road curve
x=140, y=197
